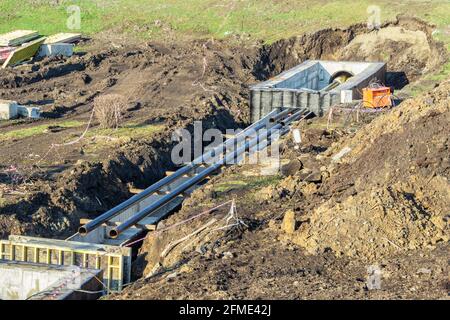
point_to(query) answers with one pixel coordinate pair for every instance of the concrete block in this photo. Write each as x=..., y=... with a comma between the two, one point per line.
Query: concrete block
x=29, y=112
x=309, y=84
x=8, y=110
x=346, y=96
x=24, y=280
x=56, y=49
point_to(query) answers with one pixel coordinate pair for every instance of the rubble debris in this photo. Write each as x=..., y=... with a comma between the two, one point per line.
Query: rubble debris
x=391, y=194
x=17, y=37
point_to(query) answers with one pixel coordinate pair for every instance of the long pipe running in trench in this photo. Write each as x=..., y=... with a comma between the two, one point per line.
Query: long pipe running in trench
x=97, y=222
x=115, y=232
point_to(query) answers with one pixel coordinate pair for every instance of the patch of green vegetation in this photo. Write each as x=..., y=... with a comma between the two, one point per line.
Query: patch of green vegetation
x=229, y=185
x=129, y=130
x=266, y=20
x=248, y=183
x=36, y=130
x=259, y=20
x=429, y=81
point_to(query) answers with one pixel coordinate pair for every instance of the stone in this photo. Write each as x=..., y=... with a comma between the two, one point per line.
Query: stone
x=304, y=173
x=315, y=176
x=288, y=224
x=337, y=157
x=291, y=168
x=172, y=275
x=186, y=269
x=309, y=188
x=424, y=271
x=227, y=255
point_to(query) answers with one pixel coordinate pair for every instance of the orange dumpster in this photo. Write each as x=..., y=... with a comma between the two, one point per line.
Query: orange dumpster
x=377, y=97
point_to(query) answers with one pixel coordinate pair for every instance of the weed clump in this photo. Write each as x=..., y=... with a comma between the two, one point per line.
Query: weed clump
x=109, y=110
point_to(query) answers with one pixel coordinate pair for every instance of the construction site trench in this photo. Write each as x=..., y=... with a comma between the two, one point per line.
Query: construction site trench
x=46, y=190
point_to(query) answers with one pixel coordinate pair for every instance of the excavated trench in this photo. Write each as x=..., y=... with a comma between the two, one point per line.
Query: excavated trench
x=173, y=85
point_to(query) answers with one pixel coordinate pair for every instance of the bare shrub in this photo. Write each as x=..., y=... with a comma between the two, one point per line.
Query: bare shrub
x=109, y=110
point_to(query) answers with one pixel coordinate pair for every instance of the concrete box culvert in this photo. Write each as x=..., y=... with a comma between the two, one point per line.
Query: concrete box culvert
x=34, y=281
x=308, y=86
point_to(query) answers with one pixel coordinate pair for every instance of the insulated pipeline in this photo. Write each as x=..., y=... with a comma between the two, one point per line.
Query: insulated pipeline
x=84, y=230
x=114, y=233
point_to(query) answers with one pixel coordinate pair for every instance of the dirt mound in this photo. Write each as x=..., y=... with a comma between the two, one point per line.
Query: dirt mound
x=396, y=182
x=406, y=44
x=380, y=221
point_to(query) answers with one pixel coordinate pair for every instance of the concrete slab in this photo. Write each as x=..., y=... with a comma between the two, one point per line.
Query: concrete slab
x=17, y=37
x=56, y=49
x=22, y=280
x=115, y=261
x=63, y=38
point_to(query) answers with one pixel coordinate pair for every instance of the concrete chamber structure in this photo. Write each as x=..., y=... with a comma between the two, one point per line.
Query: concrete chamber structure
x=315, y=85
x=33, y=281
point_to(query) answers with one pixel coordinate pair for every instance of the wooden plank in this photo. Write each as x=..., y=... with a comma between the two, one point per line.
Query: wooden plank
x=63, y=38
x=150, y=227
x=17, y=37
x=24, y=53
x=135, y=190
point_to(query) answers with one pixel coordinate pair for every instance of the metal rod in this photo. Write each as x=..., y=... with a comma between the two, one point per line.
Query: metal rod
x=114, y=233
x=302, y=112
x=95, y=223
x=281, y=114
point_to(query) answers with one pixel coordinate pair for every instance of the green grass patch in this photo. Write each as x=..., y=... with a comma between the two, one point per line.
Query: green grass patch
x=36, y=130
x=248, y=183
x=266, y=20
x=129, y=130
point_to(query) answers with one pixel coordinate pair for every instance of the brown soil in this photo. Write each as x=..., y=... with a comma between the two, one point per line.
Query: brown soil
x=405, y=44
x=165, y=85
x=171, y=85
x=396, y=181
x=307, y=237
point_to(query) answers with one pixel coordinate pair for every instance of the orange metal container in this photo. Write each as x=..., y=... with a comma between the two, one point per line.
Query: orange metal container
x=377, y=97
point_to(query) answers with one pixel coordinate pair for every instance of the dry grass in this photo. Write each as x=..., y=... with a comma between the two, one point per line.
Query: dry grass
x=109, y=110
